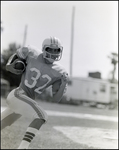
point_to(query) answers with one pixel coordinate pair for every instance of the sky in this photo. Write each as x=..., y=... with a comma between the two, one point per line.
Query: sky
x=95, y=31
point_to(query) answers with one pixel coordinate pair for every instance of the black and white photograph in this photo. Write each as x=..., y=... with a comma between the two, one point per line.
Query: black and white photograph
x=59, y=74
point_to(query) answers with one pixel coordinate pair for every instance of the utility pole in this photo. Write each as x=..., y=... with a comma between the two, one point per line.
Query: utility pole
x=114, y=61
x=72, y=40
x=25, y=34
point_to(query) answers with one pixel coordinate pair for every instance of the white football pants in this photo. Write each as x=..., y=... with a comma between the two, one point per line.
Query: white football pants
x=20, y=103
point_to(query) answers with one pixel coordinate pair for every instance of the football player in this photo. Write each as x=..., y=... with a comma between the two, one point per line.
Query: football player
x=40, y=72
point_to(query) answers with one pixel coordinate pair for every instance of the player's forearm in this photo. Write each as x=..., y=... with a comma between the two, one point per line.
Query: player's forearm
x=58, y=96
x=8, y=67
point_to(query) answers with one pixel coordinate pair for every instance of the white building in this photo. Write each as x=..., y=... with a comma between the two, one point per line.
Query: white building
x=91, y=90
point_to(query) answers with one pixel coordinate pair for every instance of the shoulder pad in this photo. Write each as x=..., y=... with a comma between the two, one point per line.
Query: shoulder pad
x=22, y=52
x=58, y=68
x=34, y=51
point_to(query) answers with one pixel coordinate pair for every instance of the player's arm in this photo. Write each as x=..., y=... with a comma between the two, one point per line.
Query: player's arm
x=59, y=88
x=21, y=54
x=11, y=63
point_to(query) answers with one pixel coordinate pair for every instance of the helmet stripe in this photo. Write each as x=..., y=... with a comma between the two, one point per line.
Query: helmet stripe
x=53, y=40
x=56, y=40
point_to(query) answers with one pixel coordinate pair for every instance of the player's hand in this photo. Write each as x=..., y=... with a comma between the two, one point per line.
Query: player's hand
x=64, y=77
x=11, y=68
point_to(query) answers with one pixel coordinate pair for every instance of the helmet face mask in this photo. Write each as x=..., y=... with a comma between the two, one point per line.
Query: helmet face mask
x=52, y=51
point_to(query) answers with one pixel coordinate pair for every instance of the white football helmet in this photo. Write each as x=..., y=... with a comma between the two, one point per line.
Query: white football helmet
x=52, y=49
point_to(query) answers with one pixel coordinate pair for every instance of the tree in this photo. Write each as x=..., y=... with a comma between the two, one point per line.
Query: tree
x=13, y=79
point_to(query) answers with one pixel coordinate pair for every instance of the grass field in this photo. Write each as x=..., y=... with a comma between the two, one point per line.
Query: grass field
x=68, y=127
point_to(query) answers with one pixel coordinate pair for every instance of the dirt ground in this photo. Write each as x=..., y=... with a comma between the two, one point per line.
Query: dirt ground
x=61, y=132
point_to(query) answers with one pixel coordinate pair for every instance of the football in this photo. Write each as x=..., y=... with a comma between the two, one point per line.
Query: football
x=19, y=65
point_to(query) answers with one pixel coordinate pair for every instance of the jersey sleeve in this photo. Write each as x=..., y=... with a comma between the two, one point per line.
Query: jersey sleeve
x=29, y=50
x=22, y=52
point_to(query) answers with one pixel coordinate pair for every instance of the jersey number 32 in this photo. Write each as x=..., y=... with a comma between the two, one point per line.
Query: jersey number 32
x=34, y=80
